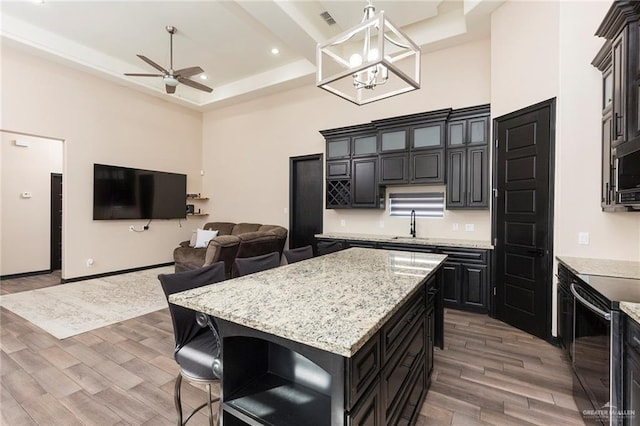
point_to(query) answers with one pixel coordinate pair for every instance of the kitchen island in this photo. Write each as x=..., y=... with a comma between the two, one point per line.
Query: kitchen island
x=345, y=338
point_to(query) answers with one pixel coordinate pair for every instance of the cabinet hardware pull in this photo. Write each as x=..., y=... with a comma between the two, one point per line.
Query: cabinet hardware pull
x=616, y=126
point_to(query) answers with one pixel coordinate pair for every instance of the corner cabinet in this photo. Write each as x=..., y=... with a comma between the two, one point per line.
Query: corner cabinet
x=468, y=158
x=619, y=62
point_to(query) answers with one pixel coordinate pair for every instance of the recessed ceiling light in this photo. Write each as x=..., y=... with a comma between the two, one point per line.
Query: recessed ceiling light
x=203, y=76
x=275, y=51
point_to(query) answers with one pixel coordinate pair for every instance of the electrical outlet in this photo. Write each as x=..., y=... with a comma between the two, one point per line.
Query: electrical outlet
x=382, y=224
x=343, y=222
x=454, y=226
x=583, y=238
x=132, y=228
x=469, y=227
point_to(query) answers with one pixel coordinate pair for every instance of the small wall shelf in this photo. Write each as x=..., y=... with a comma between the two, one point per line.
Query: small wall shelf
x=191, y=199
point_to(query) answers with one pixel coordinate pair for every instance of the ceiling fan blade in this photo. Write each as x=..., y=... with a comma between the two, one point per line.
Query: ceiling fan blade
x=153, y=64
x=170, y=89
x=133, y=74
x=188, y=72
x=195, y=84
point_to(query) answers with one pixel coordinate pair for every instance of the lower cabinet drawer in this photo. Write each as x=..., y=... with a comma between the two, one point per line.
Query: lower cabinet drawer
x=410, y=408
x=394, y=382
x=395, y=330
x=362, y=370
x=368, y=411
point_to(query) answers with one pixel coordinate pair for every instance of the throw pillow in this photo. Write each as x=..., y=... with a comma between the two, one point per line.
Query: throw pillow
x=203, y=237
x=194, y=236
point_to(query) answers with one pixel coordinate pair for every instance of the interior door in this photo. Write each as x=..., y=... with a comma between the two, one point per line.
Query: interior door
x=523, y=217
x=305, y=199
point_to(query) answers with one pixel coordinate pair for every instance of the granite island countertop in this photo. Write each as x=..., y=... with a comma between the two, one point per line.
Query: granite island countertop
x=334, y=302
x=444, y=242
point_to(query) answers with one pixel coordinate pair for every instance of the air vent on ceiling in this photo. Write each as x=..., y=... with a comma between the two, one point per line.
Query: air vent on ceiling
x=328, y=18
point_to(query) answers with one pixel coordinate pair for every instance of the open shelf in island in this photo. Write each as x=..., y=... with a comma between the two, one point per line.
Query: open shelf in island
x=272, y=399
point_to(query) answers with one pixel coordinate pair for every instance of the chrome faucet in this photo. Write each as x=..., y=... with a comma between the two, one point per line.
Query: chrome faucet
x=413, y=223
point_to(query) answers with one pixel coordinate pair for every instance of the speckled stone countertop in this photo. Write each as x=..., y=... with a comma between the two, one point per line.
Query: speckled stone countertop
x=603, y=267
x=631, y=309
x=408, y=240
x=334, y=302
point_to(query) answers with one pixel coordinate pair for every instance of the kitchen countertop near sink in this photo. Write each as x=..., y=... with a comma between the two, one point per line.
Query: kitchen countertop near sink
x=603, y=267
x=444, y=242
x=631, y=309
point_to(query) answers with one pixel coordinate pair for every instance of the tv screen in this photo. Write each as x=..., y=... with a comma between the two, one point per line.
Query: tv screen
x=126, y=193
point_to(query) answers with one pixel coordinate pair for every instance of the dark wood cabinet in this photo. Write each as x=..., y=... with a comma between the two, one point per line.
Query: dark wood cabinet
x=394, y=169
x=466, y=279
x=468, y=158
x=427, y=166
x=351, y=167
x=565, y=310
x=619, y=62
x=338, y=169
x=631, y=372
x=366, y=191
x=435, y=147
x=456, y=178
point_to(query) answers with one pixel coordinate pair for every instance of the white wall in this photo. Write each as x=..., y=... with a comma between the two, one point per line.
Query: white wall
x=26, y=222
x=542, y=50
x=247, y=147
x=579, y=145
x=102, y=122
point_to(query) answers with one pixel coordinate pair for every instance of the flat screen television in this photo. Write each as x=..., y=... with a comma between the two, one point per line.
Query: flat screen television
x=126, y=193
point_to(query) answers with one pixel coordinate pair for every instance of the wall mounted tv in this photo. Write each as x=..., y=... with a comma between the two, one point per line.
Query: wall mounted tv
x=125, y=193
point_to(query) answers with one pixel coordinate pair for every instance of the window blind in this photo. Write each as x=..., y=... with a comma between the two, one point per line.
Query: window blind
x=426, y=204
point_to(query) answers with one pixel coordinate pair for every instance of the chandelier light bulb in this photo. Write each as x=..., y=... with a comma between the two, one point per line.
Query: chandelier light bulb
x=355, y=60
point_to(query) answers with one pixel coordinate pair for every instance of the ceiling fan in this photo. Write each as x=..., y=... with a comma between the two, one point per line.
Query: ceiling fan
x=173, y=77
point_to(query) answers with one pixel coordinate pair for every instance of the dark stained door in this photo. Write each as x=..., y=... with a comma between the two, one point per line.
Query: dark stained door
x=305, y=200
x=56, y=221
x=523, y=214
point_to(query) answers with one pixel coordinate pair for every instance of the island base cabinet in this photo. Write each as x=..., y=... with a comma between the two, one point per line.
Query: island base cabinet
x=272, y=380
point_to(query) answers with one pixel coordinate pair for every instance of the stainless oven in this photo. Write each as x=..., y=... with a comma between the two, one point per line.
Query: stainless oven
x=591, y=352
x=596, y=344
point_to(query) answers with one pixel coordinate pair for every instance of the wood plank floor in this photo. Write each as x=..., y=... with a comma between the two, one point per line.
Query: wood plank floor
x=489, y=373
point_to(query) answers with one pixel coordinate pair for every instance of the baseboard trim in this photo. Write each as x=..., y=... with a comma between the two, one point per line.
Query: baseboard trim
x=108, y=274
x=25, y=274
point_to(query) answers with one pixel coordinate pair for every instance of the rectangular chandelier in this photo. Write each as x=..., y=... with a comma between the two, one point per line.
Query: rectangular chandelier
x=372, y=61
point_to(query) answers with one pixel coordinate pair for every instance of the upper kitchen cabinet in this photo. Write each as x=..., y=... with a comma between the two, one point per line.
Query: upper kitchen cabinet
x=468, y=126
x=352, y=167
x=620, y=27
x=619, y=62
x=468, y=158
x=412, y=148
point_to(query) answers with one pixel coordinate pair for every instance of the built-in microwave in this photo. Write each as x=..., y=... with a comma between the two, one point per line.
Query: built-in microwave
x=628, y=178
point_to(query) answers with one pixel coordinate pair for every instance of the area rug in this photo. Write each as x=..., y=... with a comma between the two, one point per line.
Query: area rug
x=68, y=309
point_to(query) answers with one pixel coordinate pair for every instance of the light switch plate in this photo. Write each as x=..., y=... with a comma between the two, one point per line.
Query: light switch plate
x=343, y=222
x=469, y=227
x=454, y=226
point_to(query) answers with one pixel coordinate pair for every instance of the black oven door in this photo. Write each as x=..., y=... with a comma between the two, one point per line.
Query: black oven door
x=591, y=352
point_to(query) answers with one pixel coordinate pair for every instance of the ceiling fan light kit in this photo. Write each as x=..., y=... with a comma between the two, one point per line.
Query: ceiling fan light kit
x=372, y=61
x=172, y=78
